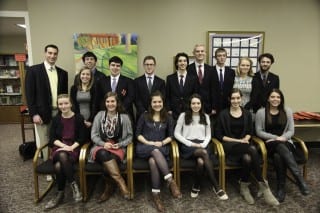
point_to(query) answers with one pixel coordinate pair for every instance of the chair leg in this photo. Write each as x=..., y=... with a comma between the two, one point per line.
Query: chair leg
x=85, y=187
x=39, y=196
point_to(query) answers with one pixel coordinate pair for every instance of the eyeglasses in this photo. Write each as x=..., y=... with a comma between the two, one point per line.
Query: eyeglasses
x=148, y=64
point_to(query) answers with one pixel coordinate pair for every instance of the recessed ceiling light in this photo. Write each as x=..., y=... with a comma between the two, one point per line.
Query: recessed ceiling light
x=21, y=25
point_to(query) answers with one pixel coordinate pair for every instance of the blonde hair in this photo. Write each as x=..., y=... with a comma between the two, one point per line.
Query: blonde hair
x=78, y=81
x=250, y=73
x=64, y=96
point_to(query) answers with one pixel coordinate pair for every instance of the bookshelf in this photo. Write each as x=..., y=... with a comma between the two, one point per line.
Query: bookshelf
x=12, y=72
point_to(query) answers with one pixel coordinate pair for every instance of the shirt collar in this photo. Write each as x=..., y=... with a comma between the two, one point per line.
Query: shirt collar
x=48, y=66
x=152, y=76
x=218, y=68
x=116, y=77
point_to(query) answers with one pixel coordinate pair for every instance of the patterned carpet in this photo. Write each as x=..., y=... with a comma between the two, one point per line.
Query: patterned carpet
x=17, y=192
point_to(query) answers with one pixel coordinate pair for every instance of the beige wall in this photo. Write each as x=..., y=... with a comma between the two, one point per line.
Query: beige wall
x=12, y=44
x=292, y=30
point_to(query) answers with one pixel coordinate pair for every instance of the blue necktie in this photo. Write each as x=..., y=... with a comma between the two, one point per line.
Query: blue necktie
x=221, y=79
x=149, y=84
x=114, y=84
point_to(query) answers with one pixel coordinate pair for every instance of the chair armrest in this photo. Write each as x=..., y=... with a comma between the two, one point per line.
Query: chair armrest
x=84, y=155
x=175, y=149
x=130, y=150
x=35, y=160
x=302, y=145
x=217, y=145
x=260, y=143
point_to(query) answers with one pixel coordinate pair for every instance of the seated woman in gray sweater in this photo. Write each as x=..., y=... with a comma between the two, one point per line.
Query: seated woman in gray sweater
x=194, y=133
x=111, y=133
x=275, y=125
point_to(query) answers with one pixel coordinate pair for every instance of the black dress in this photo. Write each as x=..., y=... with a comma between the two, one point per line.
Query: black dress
x=153, y=131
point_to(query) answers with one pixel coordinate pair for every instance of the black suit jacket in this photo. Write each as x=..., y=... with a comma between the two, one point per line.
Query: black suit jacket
x=124, y=90
x=205, y=88
x=259, y=91
x=176, y=100
x=220, y=96
x=38, y=93
x=142, y=98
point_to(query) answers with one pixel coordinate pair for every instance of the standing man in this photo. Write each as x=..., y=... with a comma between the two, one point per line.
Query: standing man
x=89, y=59
x=204, y=73
x=146, y=84
x=223, y=79
x=180, y=86
x=43, y=83
x=263, y=81
x=118, y=83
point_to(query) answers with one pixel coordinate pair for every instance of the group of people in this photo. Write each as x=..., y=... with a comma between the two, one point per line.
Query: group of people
x=195, y=103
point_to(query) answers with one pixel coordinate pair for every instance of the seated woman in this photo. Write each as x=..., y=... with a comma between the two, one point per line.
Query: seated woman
x=234, y=129
x=275, y=125
x=194, y=133
x=154, y=133
x=111, y=133
x=66, y=137
x=82, y=95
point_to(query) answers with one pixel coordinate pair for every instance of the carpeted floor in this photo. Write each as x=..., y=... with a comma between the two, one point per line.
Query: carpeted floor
x=17, y=192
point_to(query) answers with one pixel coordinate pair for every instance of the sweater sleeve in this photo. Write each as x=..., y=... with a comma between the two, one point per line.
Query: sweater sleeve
x=178, y=131
x=260, y=126
x=126, y=131
x=95, y=130
x=207, y=139
x=289, y=130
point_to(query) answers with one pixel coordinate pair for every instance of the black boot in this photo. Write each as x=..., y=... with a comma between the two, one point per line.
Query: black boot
x=296, y=173
x=281, y=171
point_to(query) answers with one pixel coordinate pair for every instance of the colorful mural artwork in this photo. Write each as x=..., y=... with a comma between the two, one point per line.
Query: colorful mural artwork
x=106, y=45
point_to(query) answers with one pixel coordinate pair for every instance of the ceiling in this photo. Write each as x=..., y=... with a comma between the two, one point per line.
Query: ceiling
x=8, y=26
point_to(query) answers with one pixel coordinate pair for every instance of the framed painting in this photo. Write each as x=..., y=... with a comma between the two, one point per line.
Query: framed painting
x=237, y=44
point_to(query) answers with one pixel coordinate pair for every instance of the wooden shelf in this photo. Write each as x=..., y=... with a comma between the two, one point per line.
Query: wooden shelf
x=12, y=93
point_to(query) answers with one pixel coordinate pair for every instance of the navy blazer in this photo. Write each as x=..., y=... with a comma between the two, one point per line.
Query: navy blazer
x=220, y=97
x=176, y=100
x=38, y=92
x=124, y=90
x=205, y=88
x=259, y=91
x=142, y=98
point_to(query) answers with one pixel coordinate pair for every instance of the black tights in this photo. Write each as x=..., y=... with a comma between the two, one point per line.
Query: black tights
x=249, y=161
x=204, y=163
x=63, y=168
x=158, y=163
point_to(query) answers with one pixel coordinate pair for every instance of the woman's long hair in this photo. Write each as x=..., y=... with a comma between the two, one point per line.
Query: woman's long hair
x=120, y=109
x=79, y=82
x=282, y=112
x=188, y=112
x=151, y=112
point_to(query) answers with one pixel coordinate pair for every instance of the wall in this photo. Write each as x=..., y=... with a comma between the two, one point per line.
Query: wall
x=12, y=44
x=169, y=26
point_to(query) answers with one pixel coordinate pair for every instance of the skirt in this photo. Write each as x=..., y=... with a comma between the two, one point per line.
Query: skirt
x=234, y=150
x=144, y=151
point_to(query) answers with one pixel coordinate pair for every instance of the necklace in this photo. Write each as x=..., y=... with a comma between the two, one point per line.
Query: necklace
x=157, y=126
